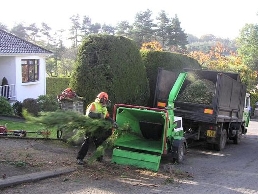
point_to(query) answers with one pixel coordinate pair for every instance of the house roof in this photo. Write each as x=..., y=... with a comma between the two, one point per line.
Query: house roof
x=11, y=44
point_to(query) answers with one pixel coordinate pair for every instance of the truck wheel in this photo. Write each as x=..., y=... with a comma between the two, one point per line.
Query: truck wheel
x=180, y=153
x=222, y=141
x=237, y=137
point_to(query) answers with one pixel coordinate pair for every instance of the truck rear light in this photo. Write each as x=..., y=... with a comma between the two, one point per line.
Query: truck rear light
x=208, y=111
x=161, y=104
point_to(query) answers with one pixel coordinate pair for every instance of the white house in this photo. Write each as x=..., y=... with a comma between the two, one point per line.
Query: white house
x=23, y=65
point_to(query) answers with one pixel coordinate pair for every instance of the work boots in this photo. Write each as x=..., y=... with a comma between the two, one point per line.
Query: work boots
x=80, y=161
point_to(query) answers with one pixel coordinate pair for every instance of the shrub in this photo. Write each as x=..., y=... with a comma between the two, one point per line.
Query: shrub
x=4, y=81
x=112, y=64
x=31, y=105
x=6, y=108
x=17, y=108
x=169, y=61
x=47, y=103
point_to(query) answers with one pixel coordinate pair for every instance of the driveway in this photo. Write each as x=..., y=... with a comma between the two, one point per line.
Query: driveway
x=233, y=170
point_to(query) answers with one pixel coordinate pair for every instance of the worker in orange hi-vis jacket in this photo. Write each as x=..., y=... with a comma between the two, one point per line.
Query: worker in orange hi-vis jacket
x=96, y=110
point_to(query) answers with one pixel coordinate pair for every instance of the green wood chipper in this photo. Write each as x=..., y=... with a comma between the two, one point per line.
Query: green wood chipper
x=153, y=133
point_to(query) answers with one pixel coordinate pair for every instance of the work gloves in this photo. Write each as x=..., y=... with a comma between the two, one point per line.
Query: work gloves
x=96, y=115
x=102, y=116
x=115, y=125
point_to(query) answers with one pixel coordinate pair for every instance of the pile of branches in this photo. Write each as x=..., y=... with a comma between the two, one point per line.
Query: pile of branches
x=200, y=91
x=75, y=125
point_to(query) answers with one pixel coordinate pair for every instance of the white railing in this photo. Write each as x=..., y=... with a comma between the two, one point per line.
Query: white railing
x=8, y=91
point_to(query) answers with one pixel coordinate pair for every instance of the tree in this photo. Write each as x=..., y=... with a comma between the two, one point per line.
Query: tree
x=3, y=27
x=67, y=61
x=207, y=38
x=86, y=25
x=123, y=28
x=51, y=66
x=217, y=60
x=191, y=38
x=143, y=27
x=95, y=28
x=177, y=38
x=45, y=31
x=20, y=31
x=248, y=45
x=74, y=30
x=33, y=32
x=108, y=29
x=162, y=27
x=151, y=46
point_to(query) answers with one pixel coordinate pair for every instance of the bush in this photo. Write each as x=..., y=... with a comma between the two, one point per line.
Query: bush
x=169, y=61
x=17, y=108
x=31, y=105
x=55, y=85
x=47, y=103
x=6, y=108
x=112, y=64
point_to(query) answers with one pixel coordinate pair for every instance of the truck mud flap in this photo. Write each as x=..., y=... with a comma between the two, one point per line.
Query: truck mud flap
x=141, y=160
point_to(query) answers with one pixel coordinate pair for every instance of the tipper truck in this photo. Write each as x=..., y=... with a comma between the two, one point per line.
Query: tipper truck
x=224, y=118
x=170, y=124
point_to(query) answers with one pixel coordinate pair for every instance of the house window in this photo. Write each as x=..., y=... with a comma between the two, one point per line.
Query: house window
x=30, y=70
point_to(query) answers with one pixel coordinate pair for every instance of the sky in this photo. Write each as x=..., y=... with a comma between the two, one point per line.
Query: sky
x=222, y=18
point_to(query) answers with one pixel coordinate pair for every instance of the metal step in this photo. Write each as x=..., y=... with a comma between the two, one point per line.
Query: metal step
x=141, y=160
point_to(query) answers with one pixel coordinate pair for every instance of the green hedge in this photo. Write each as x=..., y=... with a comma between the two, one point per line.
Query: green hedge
x=167, y=60
x=112, y=64
x=55, y=85
x=254, y=99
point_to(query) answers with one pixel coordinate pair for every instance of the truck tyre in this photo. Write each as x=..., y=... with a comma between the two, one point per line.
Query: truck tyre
x=222, y=141
x=237, y=137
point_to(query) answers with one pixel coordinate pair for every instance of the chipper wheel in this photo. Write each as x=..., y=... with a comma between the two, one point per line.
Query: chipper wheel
x=178, y=150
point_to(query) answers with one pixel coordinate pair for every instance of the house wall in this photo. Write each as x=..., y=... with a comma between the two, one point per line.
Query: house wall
x=32, y=89
x=7, y=66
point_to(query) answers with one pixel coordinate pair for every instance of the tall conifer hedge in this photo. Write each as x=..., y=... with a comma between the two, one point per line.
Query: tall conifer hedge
x=112, y=64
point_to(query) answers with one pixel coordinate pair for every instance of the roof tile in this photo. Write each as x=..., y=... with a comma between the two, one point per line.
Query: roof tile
x=12, y=44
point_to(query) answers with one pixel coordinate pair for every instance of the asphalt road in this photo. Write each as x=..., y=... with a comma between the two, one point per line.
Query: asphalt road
x=233, y=170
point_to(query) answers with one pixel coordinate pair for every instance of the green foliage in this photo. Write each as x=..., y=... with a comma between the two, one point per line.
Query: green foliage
x=4, y=81
x=31, y=105
x=169, y=61
x=47, y=103
x=248, y=45
x=55, y=85
x=75, y=126
x=112, y=64
x=177, y=37
x=200, y=91
x=142, y=30
x=17, y=108
x=6, y=108
x=254, y=99
x=33, y=130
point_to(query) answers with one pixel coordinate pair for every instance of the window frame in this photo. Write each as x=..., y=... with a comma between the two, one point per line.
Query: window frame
x=30, y=70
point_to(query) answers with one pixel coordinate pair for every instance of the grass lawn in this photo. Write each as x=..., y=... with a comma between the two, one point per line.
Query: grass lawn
x=32, y=130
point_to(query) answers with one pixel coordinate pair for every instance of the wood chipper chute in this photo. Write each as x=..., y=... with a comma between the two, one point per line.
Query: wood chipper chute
x=153, y=132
